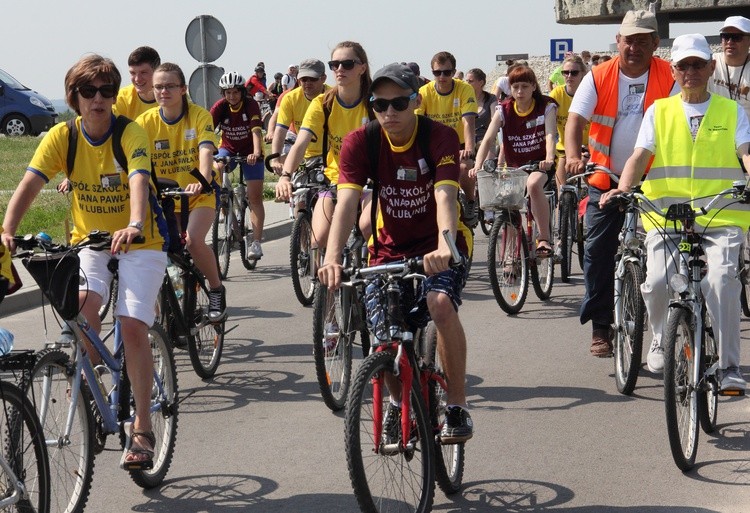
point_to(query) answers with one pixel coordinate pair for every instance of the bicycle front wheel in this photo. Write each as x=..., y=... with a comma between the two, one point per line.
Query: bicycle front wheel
x=164, y=401
x=71, y=454
x=332, y=347
x=506, y=262
x=223, y=234
x=680, y=394
x=207, y=343
x=242, y=212
x=629, y=331
x=301, y=260
x=567, y=234
x=708, y=396
x=384, y=480
x=25, y=451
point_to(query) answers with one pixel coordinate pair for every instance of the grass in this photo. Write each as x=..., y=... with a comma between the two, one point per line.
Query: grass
x=50, y=210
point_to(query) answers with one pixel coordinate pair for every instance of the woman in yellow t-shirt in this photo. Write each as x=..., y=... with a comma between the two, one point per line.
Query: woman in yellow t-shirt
x=106, y=197
x=182, y=138
x=348, y=109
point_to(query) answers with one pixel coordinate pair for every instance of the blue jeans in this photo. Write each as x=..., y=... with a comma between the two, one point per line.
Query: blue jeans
x=604, y=227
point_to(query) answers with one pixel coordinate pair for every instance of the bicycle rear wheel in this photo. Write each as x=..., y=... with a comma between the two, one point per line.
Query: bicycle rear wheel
x=301, y=260
x=507, y=263
x=164, y=401
x=206, y=345
x=71, y=457
x=222, y=234
x=629, y=333
x=680, y=394
x=403, y=481
x=708, y=396
x=567, y=234
x=332, y=347
x=25, y=451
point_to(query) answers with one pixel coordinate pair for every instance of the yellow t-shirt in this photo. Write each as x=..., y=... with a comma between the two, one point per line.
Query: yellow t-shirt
x=450, y=108
x=6, y=270
x=292, y=111
x=564, y=100
x=130, y=104
x=101, y=195
x=342, y=120
x=174, y=147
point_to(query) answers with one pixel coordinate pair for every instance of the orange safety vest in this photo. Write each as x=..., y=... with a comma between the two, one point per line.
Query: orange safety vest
x=606, y=79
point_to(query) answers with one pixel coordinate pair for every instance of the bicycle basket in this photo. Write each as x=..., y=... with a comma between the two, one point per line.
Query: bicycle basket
x=57, y=276
x=505, y=188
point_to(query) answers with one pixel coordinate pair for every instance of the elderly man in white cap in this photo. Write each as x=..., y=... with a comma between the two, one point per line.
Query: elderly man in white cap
x=694, y=139
x=731, y=77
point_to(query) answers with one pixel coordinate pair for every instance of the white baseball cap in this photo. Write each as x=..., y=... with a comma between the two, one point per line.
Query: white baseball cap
x=690, y=45
x=739, y=22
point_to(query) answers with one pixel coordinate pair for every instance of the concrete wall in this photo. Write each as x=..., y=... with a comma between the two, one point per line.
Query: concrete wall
x=579, y=12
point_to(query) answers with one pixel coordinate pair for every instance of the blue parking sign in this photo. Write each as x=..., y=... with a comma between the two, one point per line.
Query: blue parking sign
x=558, y=48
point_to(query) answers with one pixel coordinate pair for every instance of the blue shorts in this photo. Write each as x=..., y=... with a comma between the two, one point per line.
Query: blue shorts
x=249, y=172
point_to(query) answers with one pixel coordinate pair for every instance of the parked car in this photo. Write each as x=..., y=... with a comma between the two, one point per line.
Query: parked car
x=23, y=111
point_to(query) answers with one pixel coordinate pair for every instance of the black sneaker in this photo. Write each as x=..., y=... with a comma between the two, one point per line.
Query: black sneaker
x=470, y=214
x=457, y=426
x=391, y=429
x=217, y=304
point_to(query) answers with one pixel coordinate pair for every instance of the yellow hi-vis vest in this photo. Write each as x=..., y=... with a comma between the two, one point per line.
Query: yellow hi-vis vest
x=685, y=170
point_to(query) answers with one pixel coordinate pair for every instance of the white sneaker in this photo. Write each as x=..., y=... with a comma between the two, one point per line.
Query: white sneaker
x=254, y=251
x=655, y=357
x=731, y=379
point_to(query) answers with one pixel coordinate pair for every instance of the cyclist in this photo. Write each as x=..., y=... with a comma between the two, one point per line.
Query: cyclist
x=732, y=74
x=138, y=97
x=452, y=101
x=106, y=197
x=407, y=230
x=348, y=109
x=238, y=119
x=275, y=90
x=613, y=96
x=289, y=80
x=486, y=106
x=182, y=138
x=528, y=121
x=694, y=140
x=293, y=106
x=257, y=82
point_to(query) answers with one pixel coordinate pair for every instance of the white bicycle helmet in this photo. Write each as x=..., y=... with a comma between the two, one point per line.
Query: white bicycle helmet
x=231, y=80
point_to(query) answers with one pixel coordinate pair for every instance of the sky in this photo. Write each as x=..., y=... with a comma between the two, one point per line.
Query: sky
x=43, y=39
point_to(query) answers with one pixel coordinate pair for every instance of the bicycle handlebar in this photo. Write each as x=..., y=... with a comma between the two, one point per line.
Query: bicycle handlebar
x=98, y=240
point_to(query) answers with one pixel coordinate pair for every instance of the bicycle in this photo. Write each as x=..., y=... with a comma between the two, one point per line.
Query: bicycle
x=232, y=221
x=691, y=387
x=398, y=470
x=511, y=251
x=76, y=408
x=24, y=464
x=337, y=317
x=183, y=302
x=745, y=275
x=307, y=182
x=570, y=227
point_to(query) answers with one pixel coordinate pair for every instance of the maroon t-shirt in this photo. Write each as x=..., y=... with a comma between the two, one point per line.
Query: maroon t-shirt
x=236, y=127
x=523, y=136
x=407, y=190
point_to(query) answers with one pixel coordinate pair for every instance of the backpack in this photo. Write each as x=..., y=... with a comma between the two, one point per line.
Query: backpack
x=117, y=130
x=373, y=139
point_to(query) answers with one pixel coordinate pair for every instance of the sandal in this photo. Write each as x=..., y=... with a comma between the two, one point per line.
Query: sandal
x=130, y=451
x=543, y=251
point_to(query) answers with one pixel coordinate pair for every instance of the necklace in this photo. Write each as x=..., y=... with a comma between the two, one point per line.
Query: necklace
x=736, y=94
x=526, y=112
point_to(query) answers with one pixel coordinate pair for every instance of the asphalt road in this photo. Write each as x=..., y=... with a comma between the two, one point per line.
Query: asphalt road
x=552, y=432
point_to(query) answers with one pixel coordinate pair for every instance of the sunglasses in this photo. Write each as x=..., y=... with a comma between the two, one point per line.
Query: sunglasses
x=308, y=79
x=730, y=36
x=570, y=72
x=444, y=72
x=696, y=65
x=400, y=103
x=89, y=91
x=347, y=64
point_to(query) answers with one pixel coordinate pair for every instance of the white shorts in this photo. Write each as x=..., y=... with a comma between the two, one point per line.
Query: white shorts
x=140, y=276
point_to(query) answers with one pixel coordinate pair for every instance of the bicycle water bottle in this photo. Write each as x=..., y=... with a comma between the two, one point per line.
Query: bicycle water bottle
x=6, y=341
x=177, y=283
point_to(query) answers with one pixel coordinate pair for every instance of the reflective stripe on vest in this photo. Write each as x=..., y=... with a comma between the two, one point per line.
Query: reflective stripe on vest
x=606, y=80
x=684, y=169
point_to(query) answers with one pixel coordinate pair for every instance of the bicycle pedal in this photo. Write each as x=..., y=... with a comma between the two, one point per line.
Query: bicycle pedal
x=731, y=393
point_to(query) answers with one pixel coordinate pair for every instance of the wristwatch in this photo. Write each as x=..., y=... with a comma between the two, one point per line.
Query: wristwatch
x=138, y=225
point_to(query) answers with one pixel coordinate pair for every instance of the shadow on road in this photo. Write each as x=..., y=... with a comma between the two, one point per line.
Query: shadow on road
x=541, y=398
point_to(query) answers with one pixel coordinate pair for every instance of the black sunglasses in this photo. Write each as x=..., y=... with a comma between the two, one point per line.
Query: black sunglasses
x=89, y=91
x=731, y=36
x=347, y=64
x=696, y=65
x=400, y=103
x=308, y=79
x=444, y=72
x=570, y=72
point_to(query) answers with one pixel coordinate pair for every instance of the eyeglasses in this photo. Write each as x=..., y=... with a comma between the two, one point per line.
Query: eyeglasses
x=89, y=91
x=308, y=79
x=570, y=72
x=696, y=65
x=347, y=64
x=400, y=103
x=166, y=87
x=444, y=72
x=731, y=36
